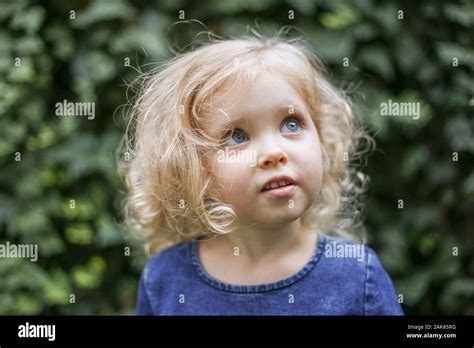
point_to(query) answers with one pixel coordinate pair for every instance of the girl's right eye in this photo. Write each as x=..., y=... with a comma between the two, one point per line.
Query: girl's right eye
x=238, y=136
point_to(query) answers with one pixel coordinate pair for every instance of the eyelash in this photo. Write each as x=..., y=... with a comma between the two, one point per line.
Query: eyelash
x=297, y=117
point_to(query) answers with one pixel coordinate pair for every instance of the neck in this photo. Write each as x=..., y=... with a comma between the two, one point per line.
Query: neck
x=257, y=242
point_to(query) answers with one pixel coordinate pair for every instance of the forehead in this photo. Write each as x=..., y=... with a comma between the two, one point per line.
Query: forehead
x=270, y=93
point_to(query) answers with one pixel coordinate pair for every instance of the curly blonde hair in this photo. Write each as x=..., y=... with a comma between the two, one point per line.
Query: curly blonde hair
x=170, y=196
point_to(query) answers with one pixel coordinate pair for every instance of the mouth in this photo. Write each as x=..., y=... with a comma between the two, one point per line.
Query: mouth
x=281, y=186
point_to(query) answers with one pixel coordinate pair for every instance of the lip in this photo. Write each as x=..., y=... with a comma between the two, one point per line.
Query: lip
x=280, y=191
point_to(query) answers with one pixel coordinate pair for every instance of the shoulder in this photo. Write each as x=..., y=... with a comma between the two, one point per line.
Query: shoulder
x=380, y=294
x=167, y=262
x=350, y=254
x=359, y=268
x=345, y=255
x=344, y=261
x=160, y=275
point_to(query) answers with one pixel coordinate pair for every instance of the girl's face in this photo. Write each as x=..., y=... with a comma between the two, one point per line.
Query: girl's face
x=270, y=134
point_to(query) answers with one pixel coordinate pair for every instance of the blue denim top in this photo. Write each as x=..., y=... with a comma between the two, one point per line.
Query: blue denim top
x=174, y=282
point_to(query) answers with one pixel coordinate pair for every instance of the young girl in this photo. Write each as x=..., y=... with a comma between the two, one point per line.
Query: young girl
x=240, y=179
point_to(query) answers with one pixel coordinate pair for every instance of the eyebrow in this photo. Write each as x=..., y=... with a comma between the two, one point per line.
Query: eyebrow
x=279, y=109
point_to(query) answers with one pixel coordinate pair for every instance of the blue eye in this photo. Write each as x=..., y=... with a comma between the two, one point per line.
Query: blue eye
x=292, y=124
x=238, y=136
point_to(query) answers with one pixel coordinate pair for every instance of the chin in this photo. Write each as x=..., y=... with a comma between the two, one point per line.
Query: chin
x=279, y=219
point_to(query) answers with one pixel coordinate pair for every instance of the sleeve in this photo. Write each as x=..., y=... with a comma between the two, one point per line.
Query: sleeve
x=143, y=306
x=380, y=295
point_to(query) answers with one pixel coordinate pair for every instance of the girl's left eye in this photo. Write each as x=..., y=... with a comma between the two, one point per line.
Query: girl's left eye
x=292, y=124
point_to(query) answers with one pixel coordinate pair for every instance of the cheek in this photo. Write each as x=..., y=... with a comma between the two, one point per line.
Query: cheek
x=311, y=164
x=232, y=181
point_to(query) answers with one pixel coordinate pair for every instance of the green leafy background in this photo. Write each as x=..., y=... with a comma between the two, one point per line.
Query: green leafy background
x=83, y=249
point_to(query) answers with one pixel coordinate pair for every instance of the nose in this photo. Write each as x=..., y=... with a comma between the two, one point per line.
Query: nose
x=272, y=159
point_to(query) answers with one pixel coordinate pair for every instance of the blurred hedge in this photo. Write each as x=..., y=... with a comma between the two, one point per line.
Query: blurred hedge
x=65, y=195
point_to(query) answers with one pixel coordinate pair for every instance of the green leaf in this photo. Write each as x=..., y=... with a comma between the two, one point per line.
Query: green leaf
x=414, y=287
x=23, y=73
x=80, y=233
x=89, y=276
x=100, y=11
x=342, y=17
x=462, y=13
x=28, y=19
x=377, y=59
x=332, y=46
x=57, y=288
